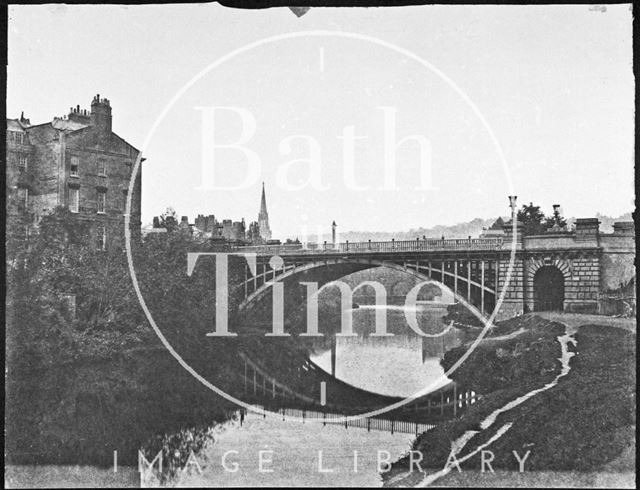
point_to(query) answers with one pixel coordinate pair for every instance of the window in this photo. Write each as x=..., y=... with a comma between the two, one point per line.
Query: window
x=22, y=163
x=23, y=196
x=75, y=166
x=16, y=137
x=101, y=241
x=102, y=201
x=102, y=167
x=74, y=200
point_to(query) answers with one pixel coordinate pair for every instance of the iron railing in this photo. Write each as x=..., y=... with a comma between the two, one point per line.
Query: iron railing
x=372, y=247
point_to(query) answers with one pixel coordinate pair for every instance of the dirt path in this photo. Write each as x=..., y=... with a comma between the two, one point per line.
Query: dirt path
x=409, y=478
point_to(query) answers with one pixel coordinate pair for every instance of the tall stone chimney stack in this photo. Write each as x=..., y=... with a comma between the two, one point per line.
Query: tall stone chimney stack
x=101, y=114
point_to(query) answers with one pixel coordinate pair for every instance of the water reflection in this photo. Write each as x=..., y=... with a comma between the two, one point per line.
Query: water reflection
x=400, y=365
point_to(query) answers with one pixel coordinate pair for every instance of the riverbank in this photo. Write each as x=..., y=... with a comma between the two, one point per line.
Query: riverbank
x=585, y=423
x=80, y=412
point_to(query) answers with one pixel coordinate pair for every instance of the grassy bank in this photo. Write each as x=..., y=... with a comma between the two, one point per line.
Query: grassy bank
x=585, y=423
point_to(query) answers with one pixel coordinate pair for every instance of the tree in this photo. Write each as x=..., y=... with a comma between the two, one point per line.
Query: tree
x=169, y=220
x=555, y=220
x=533, y=219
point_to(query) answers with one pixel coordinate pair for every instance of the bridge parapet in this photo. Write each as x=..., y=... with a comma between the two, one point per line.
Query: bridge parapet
x=457, y=244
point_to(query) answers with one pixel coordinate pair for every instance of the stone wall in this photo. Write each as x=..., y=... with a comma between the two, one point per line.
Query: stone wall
x=581, y=290
x=618, y=259
x=513, y=303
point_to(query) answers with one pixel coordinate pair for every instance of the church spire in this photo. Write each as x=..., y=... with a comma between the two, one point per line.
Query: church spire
x=263, y=203
x=263, y=217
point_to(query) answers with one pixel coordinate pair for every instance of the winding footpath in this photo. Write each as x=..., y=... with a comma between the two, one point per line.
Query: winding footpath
x=461, y=442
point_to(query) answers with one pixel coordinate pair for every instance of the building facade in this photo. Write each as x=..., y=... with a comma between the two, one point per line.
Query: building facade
x=570, y=270
x=77, y=162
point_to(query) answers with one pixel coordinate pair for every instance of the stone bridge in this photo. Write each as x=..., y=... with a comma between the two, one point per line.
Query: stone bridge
x=558, y=271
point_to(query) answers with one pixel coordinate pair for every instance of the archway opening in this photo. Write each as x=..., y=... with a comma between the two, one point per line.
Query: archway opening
x=548, y=289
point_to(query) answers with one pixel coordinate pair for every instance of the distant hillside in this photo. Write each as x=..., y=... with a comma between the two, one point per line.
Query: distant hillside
x=461, y=230
x=471, y=228
x=606, y=222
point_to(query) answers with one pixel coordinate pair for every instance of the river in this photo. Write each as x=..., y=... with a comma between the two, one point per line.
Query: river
x=310, y=454
x=396, y=366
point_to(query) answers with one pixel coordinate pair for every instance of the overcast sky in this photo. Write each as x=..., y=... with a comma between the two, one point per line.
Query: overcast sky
x=554, y=84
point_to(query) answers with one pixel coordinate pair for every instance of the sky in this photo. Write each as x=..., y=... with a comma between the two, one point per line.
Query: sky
x=382, y=119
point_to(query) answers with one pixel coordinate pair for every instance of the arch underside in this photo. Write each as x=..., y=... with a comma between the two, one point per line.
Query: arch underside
x=473, y=286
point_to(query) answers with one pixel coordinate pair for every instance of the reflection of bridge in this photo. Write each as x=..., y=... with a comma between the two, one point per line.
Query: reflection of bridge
x=560, y=270
x=304, y=391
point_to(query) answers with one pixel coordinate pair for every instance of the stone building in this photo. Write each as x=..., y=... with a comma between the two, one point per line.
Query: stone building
x=20, y=178
x=206, y=224
x=234, y=230
x=257, y=233
x=209, y=227
x=75, y=161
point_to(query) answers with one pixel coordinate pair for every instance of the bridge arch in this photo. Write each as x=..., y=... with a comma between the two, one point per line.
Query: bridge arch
x=562, y=264
x=258, y=304
x=537, y=292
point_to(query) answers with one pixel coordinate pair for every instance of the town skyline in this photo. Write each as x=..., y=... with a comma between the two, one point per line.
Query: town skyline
x=462, y=229
x=567, y=107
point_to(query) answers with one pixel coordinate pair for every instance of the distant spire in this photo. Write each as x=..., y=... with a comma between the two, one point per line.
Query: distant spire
x=263, y=202
x=263, y=217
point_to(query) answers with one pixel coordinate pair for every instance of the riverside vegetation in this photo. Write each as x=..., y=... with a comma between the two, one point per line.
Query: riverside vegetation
x=84, y=380
x=585, y=423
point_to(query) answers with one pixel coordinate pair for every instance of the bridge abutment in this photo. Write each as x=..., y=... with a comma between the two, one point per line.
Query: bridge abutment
x=514, y=297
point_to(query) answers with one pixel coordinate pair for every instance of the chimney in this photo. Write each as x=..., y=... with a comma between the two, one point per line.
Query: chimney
x=77, y=115
x=101, y=114
x=556, y=209
x=587, y=228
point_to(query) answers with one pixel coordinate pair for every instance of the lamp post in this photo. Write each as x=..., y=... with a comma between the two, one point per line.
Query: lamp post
x=514, y=215
x=333, y=234
x=512, y=204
